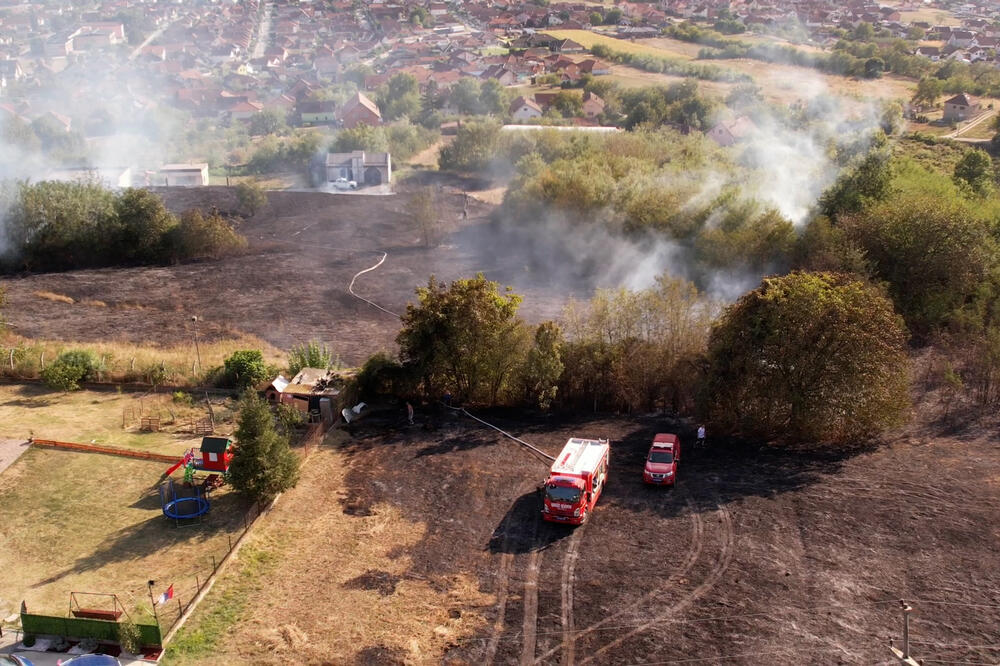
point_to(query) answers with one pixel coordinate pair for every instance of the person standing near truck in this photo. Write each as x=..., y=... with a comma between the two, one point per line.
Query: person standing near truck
x=700, y=442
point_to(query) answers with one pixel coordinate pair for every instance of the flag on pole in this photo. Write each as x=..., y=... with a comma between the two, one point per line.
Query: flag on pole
x=166, y=596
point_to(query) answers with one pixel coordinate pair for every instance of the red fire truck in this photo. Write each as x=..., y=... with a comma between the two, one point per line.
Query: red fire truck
x=576, y=480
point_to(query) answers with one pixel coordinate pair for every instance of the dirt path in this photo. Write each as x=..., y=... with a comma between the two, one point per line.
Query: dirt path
x=10, y=450
x=530, y=625
x=974, y=123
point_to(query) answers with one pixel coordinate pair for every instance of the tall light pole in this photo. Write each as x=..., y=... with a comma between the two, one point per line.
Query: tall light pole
x=197, y=349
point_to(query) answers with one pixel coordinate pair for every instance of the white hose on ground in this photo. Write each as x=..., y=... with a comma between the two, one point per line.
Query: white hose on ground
x=502, y=432
x=350, y=287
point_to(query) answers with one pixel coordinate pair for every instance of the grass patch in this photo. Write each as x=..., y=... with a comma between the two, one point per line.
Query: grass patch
x=220, y=612
x=83, y=521
x=589, y=39
x=52, y=296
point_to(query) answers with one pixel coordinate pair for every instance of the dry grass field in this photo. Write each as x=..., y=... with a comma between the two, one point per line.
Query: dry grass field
x=87, y=522
x=780, y=84
x=328, y=586
x=96, y=417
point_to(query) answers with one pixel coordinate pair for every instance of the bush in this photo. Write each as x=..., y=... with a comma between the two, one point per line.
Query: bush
x=246, y=368
x=129, y=637
x=182, y=398
x=252, y=197
x=310, y=355
x=28, y=640
x=67, y=371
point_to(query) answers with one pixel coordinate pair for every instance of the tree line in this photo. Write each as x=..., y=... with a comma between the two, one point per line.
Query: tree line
x=67, y=225
x=818, y=355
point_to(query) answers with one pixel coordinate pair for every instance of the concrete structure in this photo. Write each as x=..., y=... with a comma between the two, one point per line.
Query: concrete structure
x=111, y=177
x=362, y=167
x=184, y=175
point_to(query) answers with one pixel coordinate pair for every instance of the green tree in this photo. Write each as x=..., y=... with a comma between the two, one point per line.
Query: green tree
x=267, y=122
x=596, y=18
x=465, y=96
x=817, y=356
x=263, y=465
x=568, y=104
x=473, y=149
x=251, y=197
x=874, y=68
x=493, y=97
x=246, y=368
x=464, y=337
x=143, y=223
x=313, y=354
x=933, y=249
x=929, y=89
x=400, y=97
x=543, y=365
x=613, y=16
x=863, y=32
x=975, y=169
x=868, y=181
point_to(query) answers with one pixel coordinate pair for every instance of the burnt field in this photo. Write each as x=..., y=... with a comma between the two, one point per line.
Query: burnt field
x=292, y=284
x=758, y=556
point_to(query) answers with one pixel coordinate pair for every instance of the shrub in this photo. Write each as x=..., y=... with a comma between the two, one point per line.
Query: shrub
x=246, y=368
x=129, y=637
x=28, y=640
x=67, y=371
x=182, y=398
x=310, y=355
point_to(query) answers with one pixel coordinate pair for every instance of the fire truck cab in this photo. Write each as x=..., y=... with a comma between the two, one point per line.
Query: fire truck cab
x=576, y=480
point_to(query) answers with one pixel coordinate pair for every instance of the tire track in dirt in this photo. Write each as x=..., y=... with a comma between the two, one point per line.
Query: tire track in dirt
x=568, y=576
x=502, y=584
x=693, y=552
x=724, y=559
x=530, y=601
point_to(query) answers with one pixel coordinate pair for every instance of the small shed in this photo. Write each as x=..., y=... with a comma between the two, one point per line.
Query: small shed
x=216, y=453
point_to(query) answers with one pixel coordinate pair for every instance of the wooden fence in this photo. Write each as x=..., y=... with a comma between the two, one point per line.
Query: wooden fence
x=107, y=450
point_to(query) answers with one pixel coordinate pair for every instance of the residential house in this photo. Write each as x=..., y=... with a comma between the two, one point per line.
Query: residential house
x=525, y=108
x=359, y=110
x=317, y=113
x=961, y=107
x=728, y=133
x=360, y=166
x=593, y=105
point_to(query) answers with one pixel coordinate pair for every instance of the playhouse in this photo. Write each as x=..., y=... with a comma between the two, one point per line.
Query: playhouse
x=216, y=454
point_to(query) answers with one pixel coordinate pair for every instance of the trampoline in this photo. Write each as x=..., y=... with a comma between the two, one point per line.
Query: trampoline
x=91, y=660
x=186, y=507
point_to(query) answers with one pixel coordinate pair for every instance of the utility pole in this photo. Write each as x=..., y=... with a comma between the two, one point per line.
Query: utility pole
x=197, y=349
x=150, y=585
x=904, y=654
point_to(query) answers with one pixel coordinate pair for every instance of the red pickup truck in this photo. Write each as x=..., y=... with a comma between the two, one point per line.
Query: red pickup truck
x=661, y=462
